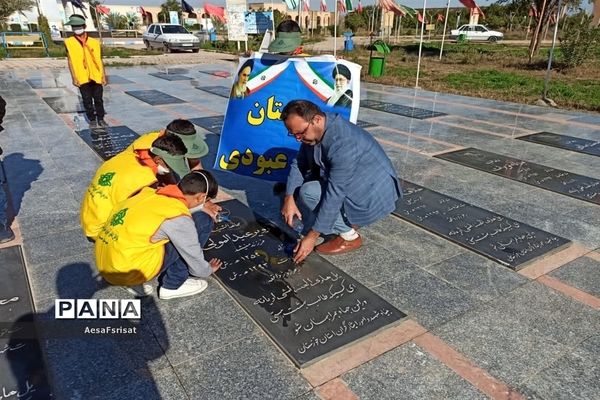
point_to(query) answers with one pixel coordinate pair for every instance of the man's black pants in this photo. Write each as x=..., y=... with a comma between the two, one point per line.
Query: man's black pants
x=91, y=94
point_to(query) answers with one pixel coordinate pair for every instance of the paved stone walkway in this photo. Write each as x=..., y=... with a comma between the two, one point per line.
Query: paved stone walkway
x=476, y=329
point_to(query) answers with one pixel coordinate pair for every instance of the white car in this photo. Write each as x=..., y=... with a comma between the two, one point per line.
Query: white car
x=476, y=33
x=170, y=37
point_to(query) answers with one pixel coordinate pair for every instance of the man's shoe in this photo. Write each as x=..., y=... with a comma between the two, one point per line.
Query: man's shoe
x=6, y=234
x=142, y=290
x=102, y=123
x=338, y=245
x=93, y=124
x=189, y=288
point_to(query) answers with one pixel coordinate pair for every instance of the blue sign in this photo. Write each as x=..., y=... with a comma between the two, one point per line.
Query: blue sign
x=257, y=22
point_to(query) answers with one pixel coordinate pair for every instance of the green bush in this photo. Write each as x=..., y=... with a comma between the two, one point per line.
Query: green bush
x=16, y=28
x=45, y=28
x=578, y=43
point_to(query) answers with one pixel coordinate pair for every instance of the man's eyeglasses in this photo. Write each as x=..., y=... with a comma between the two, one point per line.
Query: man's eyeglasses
x=300, y=134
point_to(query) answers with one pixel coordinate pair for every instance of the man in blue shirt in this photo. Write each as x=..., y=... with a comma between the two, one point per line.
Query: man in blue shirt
x=356, y=183
x=6, y=234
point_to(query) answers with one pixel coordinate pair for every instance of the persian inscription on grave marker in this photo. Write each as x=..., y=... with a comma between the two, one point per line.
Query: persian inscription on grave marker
x=399, y=109
x=109, y=141
x=571, y=143
x=170, y=77
x=154, y=97
x=308, y=310
x=212, y=124
x=218, y=90
x=504, y=240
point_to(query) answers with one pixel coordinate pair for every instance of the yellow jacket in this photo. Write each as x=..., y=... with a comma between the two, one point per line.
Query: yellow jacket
x=117, y=179
x=85, y=60
x=125, y=254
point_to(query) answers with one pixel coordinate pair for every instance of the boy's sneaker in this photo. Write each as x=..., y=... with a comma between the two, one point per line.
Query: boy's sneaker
x=6, y=234
x=190, y=287
x=102, y=123
x=142, y=290
x=93, y=124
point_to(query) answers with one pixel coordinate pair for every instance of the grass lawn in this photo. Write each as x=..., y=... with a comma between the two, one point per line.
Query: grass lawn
x=59, y=51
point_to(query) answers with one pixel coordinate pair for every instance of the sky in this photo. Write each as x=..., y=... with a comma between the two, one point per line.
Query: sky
x=314, y=4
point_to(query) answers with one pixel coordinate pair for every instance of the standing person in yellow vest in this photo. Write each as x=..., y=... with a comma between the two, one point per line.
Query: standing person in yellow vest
x=154, y=234
x=85, y=63
x=151, y=157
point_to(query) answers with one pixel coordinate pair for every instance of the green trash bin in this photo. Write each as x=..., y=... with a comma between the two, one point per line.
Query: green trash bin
x=377, y=60
x=462, y=38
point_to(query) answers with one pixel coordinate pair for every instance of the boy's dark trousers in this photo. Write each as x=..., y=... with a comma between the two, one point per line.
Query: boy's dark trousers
x=91, y=94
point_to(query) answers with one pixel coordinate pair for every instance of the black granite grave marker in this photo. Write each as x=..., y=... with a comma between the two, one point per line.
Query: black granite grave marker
x=108, y=141
x=22, y=370
x=365, y=124
x=406, y=111
x=212, y=124
x=64, y=105
x=177, y=71
x=117, y=80
x=571, y=143
x=218, y=90
x=504, y=240
x=44, y=83
x=154, y=97
x=170, y=76
x=577, y=186
x=219, y=74
x=308, y=310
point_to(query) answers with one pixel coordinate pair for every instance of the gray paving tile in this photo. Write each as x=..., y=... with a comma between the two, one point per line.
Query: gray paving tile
x=250, y=368
x=408, y=372
x=54, y=246
x=198, y=325
x=481, y=278
x=425, y=298
x=49, y=222
x=574, y=376
x=583, y=273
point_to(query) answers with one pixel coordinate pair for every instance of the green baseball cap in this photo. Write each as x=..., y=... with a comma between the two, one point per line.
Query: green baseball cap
x=196, y=146
x=76, y=20
x=177, y=163
x=285, y=42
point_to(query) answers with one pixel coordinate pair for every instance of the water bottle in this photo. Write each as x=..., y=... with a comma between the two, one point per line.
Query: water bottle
x=297, y=225
x=76, y=122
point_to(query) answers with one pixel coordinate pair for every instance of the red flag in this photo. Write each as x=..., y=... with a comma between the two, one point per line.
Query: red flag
x=533, y=11
x=323, y=6
x=215, y=11
x=341, y=6
x=420, y=17
x=359, y=7
x=102, y=10
x=440, y=18
x=480, y=12
x=306, y=6
x=469, y=3
x=142, y=11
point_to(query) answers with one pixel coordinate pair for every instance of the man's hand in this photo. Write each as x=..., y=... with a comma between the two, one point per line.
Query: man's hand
x=289, y=210
x=75, y=83
x=215, y=264
x=212, y=209
x=305, y=246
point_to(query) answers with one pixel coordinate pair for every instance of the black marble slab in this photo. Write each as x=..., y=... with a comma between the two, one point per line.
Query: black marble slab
x=44, y=83
x=154, y=97
x=365, y=124
x=22, y=369
x=170, y=76
x=117, y=80
x=571, y=143
x=176, y=70
x=218, y=74
x=569, y=184
x=308, y=310
x=212, y=124
x=65, y=105
x=107, y=142
x=399, y=109
x=218, y=90
x=504, y=240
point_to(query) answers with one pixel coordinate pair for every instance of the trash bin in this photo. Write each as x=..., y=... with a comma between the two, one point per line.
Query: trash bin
x=348, y=43
x=462, y=38
x=212, y=35
x=377, y=60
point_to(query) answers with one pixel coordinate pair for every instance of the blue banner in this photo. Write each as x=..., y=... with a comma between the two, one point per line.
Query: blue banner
x=257, y=22
x=254, y=141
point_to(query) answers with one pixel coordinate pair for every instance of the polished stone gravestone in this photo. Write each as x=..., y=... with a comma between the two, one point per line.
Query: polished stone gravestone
x=22, y=370
x=109, y=141
x=154, y=97
x=365, y=124
x=220, y=74
x=504, y=240
x=170, y=76
x=571, y=143
x=308, y=310
x=44, y=83
x=212, y=124
x=177, y=71
x=577, y=186
x=65, y=105
x=218, y=90
x=117, y=80
x=406, y=111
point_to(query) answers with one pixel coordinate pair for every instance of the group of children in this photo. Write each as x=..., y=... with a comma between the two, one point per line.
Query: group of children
x=148, y=211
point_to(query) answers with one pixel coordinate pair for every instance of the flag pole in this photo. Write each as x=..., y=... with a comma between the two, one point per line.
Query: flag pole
x=420, y=43
x=99, y=26
x=445, y=26
x=335, y=29
x=549, y=70
x=273, y=16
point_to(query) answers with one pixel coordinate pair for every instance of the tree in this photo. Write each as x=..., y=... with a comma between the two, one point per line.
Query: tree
x=355, y=20
x=133, y=21
x=166, y=8
x=8, y=7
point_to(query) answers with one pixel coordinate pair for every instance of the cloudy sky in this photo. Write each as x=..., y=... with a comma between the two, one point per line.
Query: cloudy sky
x=314, y=4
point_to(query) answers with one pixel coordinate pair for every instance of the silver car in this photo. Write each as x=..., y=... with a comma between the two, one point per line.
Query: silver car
x=170, y=37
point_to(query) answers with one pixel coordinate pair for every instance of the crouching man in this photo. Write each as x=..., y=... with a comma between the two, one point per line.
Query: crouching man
x=154, y=233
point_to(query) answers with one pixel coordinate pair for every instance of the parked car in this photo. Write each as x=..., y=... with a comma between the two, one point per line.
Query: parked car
x=476, y=33
x=170, y=37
